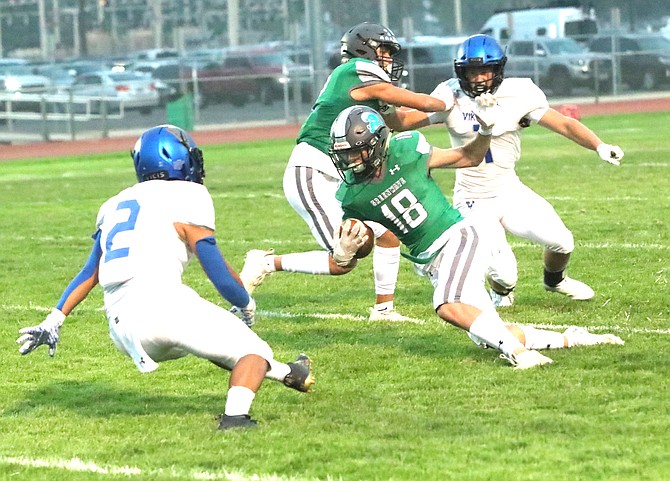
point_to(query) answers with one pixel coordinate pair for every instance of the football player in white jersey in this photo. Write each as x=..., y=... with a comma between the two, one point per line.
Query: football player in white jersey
x=369, y=65
x=144, y=237
x=493, y=188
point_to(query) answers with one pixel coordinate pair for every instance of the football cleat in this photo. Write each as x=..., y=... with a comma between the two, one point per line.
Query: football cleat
x=300, y=377
x=500, y=300
x=578, y=336
x=254, y=271
x=390, y=315
x=243, y=421
x=574, y=289
x=526, y=359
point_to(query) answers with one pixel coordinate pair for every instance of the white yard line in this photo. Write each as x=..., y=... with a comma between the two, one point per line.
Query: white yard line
x=78, y=465
x=357, y=318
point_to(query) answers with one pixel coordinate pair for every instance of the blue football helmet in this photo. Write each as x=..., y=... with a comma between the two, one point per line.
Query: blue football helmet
x=480, y=51
x=358, y=143
x=169, y=153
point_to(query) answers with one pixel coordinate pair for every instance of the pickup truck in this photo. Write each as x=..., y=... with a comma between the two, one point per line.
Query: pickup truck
x=557, y=64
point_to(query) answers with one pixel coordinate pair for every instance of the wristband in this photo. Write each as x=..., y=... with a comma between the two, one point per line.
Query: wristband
x=485, y=132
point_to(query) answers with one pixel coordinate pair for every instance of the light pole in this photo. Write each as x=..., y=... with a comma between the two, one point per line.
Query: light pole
x=44, y=34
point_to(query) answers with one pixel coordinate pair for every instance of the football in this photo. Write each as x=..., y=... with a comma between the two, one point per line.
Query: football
x=365, y=249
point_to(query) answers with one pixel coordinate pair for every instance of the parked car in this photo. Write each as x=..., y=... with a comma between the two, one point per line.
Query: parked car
x=58, y=76
x=19, y=79
x=557, y=64
x=642, y=60
x=135, y=90
x=248, y=74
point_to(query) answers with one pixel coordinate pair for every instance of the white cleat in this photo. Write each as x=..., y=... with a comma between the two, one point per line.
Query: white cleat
x=501, y=301
x=574, y=289
x=254, y=271
x=390, y=315
x=526, y=359
x=578, y=336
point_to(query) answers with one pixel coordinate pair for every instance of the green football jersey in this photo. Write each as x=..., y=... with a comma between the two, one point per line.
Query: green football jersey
x=406, y=200
x=334, y=98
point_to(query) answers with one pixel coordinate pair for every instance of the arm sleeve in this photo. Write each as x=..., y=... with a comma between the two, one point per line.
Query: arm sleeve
x=86, y=272
x=215, y=267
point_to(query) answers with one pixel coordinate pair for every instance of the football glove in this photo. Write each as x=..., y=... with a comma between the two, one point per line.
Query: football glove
x=610, y=153
x=486, y=110
x=44, y=333
x=351, y=236
x=247, y=313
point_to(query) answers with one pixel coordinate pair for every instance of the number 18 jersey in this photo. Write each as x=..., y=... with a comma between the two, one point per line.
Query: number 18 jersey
x=405, y=199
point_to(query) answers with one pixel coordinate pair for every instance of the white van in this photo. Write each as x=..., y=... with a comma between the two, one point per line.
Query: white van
x=556, y=22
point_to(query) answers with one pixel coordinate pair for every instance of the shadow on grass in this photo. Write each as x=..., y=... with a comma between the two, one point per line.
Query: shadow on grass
x=97, y=399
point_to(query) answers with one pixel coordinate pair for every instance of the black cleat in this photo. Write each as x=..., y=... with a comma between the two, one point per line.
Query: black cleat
x=235, y=422
x=300, y=378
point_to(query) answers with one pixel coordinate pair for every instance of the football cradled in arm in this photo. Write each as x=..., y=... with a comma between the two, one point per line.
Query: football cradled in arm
x=353, y=240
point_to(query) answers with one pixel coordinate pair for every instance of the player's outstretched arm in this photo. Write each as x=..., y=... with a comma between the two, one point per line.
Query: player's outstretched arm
x=390, y=94
x=579, y=133
x=48, y=331
x=201, y=241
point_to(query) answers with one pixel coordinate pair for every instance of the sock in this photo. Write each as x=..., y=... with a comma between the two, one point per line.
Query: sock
x=542, y=339
x=269, y=263
x=553, y=278
x=490, y=328
x=239, y=401
x=384, y=306
x=314, y=262
x=278, y=371
x=385, y=263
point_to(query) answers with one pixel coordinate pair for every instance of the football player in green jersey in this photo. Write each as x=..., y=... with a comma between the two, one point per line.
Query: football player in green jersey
x=388, y=180
x=369, y=66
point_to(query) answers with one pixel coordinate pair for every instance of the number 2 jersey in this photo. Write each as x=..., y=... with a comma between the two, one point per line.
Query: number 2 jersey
x=137, y=234
x=405, y=199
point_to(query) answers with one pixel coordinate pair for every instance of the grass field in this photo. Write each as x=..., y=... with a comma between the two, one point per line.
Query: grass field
x=404, y=401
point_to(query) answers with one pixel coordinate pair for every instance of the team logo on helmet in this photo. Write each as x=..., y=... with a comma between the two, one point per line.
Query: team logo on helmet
x=373, y=121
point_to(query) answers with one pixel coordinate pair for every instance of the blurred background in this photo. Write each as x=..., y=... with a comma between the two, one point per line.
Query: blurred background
x=70, y=66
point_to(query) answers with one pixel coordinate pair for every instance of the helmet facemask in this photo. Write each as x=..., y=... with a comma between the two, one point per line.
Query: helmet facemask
x=358, y=144
x=474, y=89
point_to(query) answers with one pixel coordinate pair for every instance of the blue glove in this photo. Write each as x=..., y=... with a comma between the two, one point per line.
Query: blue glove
x=45, y=333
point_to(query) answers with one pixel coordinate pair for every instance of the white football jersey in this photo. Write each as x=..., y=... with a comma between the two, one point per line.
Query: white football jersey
x=517, y=98
x=138, y=237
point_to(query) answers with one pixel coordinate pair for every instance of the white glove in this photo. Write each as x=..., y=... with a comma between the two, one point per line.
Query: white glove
x=45, y=333
x=486, y=110
x=610, y=153
x=486, y=100
x=351, y=236
x=247, y=313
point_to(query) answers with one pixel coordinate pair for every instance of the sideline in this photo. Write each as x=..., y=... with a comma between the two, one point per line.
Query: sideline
x=223, y=134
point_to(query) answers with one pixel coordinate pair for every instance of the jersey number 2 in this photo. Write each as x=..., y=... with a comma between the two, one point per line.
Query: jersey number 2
x=129, y=224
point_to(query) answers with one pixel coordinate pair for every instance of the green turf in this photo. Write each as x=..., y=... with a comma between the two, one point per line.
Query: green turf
x=393, y=401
